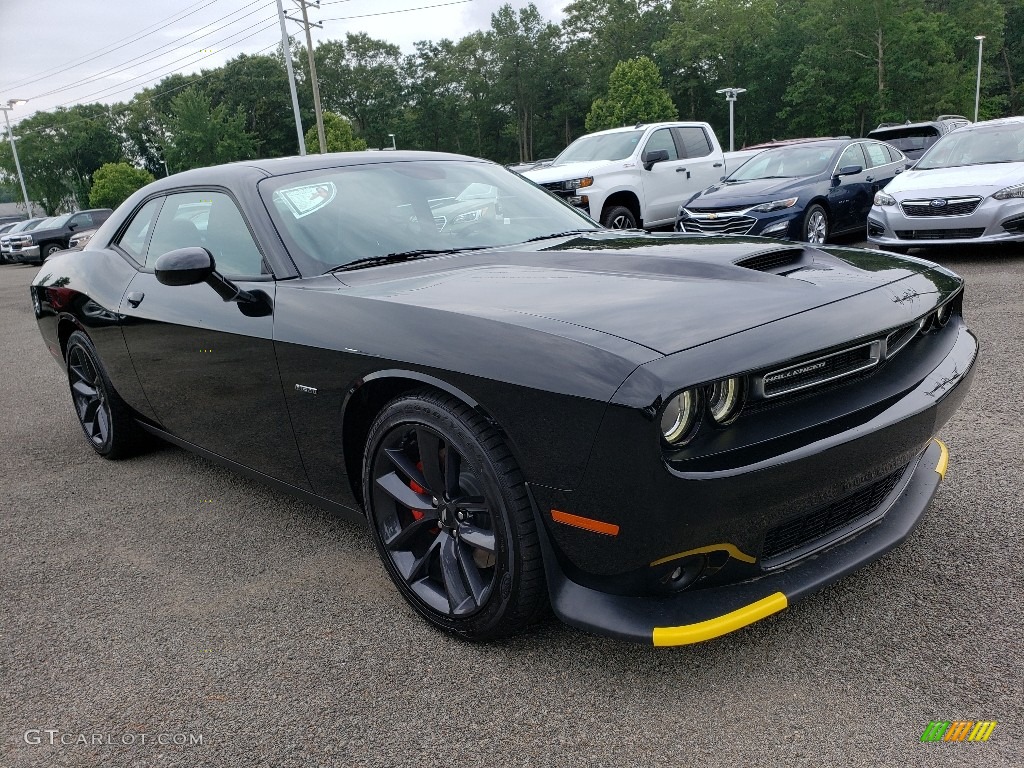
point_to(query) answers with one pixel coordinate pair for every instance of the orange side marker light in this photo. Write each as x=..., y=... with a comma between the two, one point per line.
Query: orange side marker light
x=586, y=523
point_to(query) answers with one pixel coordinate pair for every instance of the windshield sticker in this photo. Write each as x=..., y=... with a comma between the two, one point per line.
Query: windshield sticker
x=307, y=199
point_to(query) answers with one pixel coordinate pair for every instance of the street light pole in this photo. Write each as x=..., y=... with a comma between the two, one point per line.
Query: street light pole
x=14, y=151
x=977, y=87
x=730, y=96
x=393, y=145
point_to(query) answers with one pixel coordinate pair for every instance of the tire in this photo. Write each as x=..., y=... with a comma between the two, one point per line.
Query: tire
x=815, y=228
x=466, y=558
x=106, y=421
x=618, y=217
x=48, y=250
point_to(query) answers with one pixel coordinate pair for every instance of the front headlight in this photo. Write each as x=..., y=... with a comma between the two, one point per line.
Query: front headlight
x=462, y=218
x=775, y=205
x=679, y=418
x=724, y=400
x=585, y=181
x=1009, y=193
x=883, y=199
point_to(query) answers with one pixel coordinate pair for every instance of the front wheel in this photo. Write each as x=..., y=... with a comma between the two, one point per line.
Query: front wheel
x=815, y=229
x=50, y=249
x=451, y=518
x=618, y=217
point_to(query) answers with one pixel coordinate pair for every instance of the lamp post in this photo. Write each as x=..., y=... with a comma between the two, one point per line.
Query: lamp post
x=393, y=146
x=14, y=150
x=730, y=96
x=977, y=87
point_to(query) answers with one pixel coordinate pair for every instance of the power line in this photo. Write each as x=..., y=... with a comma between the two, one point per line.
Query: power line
x=103, y=51
x=401, y=10
x=151, y=55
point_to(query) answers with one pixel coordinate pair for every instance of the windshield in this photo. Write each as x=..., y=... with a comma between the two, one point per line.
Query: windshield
x=21, y=226
x=336, y=216
x=786, y=162
x=910, y=139
x=1002, y=143
x=600, y=146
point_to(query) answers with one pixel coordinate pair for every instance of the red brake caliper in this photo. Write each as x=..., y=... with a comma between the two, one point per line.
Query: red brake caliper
x=417, y=488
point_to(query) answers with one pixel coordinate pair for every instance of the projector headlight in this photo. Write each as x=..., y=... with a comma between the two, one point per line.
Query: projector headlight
x=679, y=418
x=725, y=399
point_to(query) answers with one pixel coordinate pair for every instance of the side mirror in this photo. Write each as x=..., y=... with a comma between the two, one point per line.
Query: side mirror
x=185, y=266
x=654, y=156
x=72, y=227
x=850, y=170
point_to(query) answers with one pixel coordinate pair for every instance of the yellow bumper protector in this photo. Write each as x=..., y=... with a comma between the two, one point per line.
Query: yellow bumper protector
x=726, y=547
x=943, y=462
x=721, y=625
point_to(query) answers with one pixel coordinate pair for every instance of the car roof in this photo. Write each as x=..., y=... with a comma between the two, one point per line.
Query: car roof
x=788, y=142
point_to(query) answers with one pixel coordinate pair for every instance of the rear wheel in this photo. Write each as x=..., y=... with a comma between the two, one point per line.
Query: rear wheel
x=618, y=217
x=451, y=518
x=106, y=420
x=816, y=227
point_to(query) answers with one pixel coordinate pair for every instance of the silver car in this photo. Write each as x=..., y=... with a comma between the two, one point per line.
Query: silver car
x=968, y=188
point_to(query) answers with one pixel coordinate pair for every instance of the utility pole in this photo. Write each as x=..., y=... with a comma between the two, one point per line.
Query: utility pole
x=11, y=103
x=312, y=67
x=287, y=51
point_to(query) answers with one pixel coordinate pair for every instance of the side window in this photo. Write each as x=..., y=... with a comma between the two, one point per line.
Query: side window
x=851, y=156
x=133, y=239
x=209, y=220
x=82, y=221
x=662, y=139
x=895, y=155
x=694, y=140
x=876, y=154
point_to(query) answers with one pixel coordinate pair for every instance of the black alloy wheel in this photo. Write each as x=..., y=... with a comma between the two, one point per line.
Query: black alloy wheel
x=51, y=249
x=451, y=518
x=106, y=420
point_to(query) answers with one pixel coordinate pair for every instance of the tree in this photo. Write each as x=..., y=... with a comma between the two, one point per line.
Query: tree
x=635, y=95
x=203, y=135
x=340, y=136
x=113, y=183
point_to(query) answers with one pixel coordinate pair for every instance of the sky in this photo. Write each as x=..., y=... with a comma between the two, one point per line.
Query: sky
x=66, y=52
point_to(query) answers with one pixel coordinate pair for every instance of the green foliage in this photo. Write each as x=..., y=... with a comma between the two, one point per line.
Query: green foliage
x=635, y=95
x=203, y=135
x=339, y=133
x=113, y=183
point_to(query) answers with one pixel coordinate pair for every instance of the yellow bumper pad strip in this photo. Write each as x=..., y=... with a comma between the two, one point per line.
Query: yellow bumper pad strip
x=943, y=458
x=721, y=625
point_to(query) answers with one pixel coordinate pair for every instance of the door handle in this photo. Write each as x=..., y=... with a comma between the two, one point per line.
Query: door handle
x=717, y=165
x=135, y=298
x=683, y=170
x=870, y=178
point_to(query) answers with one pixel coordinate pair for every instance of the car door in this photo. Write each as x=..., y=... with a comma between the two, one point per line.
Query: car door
x=665, y=183
x=850, y=193
x=207, y=369
x=881, y=167
x=704, y=166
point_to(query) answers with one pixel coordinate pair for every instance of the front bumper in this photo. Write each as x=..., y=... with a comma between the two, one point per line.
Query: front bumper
x=783, y=224
x=24, y=254
x=993, y=221
x=709, y=613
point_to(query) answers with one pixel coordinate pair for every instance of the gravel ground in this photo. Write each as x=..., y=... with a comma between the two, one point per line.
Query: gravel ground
x=166, y=596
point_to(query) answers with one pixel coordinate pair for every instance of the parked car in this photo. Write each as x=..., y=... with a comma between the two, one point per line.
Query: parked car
x=530, y=165
x=54, y=234
x=632, y=177
x=667, y=437
x=733, y=160
x=808, y=190
x=968, y=188
x=80, y=238
x=18, y=228
x=914, y=139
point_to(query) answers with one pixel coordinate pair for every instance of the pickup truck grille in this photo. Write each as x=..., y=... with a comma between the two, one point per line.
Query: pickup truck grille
x=557, y=187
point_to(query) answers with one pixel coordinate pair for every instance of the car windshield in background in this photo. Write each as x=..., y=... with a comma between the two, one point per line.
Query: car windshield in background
x=786, y=162
x=336, y=216
x=601, y=146
x=1002, y=143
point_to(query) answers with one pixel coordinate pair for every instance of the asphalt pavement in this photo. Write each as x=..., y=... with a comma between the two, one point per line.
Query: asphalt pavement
x=164, y=599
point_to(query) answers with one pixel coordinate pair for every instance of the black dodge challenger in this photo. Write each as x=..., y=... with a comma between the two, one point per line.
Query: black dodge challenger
x=662, y=437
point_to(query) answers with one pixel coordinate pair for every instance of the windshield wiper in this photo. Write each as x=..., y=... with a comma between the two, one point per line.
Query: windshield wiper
x=393, y=258
x=568, y=233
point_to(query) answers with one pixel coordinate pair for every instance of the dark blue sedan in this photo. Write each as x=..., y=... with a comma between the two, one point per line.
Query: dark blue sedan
x=806, y=191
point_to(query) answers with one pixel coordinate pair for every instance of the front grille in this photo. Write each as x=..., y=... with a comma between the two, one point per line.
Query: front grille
x=803, y=531
x=965, y=233
x=720, y=225
x=765, y=262
x=558, y=188
x=960, y=206
x=820, y=370
x=726, y=209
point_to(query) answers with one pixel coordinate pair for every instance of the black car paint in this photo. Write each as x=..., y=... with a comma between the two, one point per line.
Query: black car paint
x=569, y=346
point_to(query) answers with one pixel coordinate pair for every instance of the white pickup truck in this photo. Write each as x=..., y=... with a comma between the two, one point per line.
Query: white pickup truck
x=637, y=176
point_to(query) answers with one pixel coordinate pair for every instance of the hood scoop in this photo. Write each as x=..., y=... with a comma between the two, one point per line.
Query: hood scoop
x=777, y=260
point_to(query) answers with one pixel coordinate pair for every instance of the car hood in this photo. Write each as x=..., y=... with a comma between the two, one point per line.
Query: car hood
x=568, y=171
x=955, y=182
x=666, y=293
x=733, y=193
